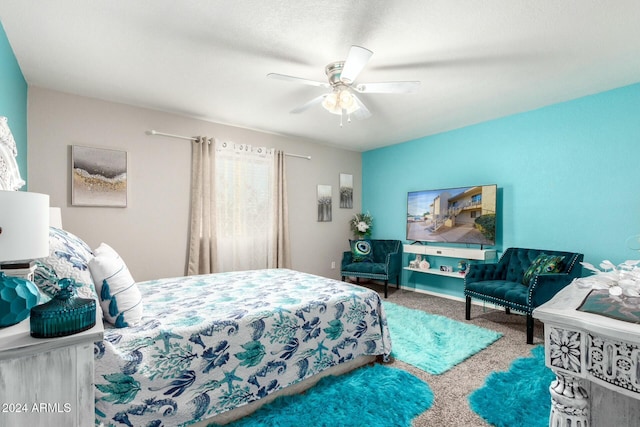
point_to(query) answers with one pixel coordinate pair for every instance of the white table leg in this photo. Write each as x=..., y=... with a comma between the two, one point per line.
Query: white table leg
x=569, y=402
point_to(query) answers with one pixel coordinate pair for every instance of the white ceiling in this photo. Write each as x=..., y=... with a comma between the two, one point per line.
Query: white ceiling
x=208, y=59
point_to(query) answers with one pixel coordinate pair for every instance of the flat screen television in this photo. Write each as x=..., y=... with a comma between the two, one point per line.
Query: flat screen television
x=453, y=215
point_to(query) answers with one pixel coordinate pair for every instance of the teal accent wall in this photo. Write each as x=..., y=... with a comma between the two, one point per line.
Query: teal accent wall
x=13, y=99
x=568, y=178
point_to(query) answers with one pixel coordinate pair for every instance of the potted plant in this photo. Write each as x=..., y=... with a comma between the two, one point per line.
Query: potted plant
x=361, y=225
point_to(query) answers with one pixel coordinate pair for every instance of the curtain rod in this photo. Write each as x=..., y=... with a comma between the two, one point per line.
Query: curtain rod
x=155, y=132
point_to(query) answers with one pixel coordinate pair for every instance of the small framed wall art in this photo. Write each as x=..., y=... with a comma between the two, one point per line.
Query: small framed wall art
x=346, y=190
x=324, y=203
x=98, y=177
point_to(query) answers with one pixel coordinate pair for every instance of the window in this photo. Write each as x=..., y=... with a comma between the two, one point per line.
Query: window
x=244, y=180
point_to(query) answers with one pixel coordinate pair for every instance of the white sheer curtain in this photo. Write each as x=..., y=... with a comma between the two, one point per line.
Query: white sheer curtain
x=248, y=210
x=244, y=178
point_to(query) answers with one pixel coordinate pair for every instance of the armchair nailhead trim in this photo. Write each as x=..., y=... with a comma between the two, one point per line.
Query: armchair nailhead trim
x=365, y=275
x=501, y=302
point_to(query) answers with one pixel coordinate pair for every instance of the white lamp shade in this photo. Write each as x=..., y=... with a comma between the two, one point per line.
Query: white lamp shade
x=24, y=225
x=55, y=217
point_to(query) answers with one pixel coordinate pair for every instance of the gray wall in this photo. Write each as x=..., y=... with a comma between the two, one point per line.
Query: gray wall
x=151, y=232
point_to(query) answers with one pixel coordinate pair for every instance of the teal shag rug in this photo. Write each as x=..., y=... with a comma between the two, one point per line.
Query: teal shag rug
x=433, y=343
x=374, y=395
x=519, y=397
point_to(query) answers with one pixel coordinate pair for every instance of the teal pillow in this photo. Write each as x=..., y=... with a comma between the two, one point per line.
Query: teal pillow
x=543, y=264
x=361, y=251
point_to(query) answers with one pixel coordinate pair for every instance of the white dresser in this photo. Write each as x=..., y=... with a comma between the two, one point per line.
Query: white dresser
x=47, y=382
x=596, y=360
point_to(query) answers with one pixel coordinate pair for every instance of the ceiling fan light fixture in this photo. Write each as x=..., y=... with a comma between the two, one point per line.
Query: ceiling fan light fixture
x=347, y=102
x=341, y=77
x=340, y=100
x=330, y=103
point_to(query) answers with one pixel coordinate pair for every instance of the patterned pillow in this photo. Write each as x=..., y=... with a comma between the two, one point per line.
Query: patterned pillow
x=361, y=251
x=69, y=257
x=118, y=293
x=543, y=264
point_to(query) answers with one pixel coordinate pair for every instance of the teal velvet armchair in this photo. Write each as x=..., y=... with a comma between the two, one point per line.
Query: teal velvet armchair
x=384, y=263
x=521, y=280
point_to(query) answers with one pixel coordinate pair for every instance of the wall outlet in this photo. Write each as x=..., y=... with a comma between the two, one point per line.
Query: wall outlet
x=333, y=265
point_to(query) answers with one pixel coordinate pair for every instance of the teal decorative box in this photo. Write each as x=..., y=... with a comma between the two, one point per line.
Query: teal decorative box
x=64, y=315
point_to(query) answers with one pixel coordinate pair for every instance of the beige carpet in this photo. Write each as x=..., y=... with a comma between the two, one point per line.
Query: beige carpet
x=452, y=388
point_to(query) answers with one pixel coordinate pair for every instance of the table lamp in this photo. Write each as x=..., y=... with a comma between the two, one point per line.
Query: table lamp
x=55, y=217
x=24, y=236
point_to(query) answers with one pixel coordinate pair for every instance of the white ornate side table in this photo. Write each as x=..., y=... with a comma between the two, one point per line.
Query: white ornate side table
x=596, y=360
x=47, y=381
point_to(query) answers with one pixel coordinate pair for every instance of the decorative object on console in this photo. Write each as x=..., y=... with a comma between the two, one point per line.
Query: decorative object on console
x=418, y=260
x=615, y=290
x=63, y=315
x=23, y=236
x=600, y=301
x=361, y=225
x=10, y=178
x=621, y=281
x=419, y=263
x=98, y=177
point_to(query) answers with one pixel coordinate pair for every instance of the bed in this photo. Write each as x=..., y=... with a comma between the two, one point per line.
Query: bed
x=210, y=346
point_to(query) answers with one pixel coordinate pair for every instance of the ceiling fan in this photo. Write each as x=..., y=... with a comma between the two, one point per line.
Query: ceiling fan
x=341, y=81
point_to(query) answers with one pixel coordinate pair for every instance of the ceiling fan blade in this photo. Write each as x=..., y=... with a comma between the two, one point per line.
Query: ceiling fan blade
x=362, y=112
x=355, y=62
x=297, y=80
x=314, y=101
x=388, y=87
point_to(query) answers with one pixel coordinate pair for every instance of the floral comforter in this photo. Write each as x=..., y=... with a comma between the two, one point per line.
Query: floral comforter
x=210, y=343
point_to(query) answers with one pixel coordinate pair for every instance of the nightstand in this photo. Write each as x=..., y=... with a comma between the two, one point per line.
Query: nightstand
x=47, y=382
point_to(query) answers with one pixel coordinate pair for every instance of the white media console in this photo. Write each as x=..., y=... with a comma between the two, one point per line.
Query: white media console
x=447, y=252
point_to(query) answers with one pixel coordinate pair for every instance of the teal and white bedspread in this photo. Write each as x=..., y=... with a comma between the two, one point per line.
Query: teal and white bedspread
x=211, y=343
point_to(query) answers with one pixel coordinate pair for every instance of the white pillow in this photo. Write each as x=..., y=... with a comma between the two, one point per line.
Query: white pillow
x=118, y=293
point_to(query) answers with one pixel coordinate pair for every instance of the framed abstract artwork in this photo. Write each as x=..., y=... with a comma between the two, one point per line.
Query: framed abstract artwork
x=98, y=177
x=324, y=203
x=346, y=191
